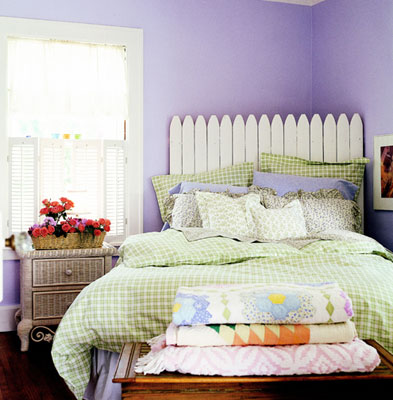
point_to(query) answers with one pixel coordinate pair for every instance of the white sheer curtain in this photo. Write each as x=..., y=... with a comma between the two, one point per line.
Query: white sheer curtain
x=55, y=80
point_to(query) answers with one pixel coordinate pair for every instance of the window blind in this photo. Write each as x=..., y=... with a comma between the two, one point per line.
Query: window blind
x=115, y=190
x=52, y=168
x=23, y=178
x=95, y=182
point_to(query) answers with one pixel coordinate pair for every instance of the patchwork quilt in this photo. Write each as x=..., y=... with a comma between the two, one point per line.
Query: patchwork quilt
x=285, y=303
x=134, y=302
x=258, y=334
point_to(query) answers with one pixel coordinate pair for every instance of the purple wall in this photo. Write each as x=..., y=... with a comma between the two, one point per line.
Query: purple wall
x=352, y=71
x=200, y=57
x=10, y=283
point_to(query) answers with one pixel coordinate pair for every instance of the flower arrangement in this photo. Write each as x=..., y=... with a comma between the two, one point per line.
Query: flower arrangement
x=57, y=224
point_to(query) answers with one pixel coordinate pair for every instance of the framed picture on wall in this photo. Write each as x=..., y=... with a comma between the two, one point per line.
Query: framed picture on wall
x=383, y=172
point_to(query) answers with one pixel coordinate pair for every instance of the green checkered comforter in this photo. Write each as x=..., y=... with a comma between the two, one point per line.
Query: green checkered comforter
x=133, y=302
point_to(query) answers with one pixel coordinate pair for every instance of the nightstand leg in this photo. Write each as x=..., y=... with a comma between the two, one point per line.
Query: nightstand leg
x=23, y=329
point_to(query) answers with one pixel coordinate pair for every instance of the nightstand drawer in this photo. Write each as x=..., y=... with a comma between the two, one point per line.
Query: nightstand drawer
x=54, y=272
x=48, y=305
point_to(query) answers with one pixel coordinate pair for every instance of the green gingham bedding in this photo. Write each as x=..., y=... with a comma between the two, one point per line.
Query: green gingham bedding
x=134, y=301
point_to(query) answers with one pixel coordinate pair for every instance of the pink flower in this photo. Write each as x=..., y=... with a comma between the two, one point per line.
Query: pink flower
x=36, y=232
x=66, y=227
x=97, y=232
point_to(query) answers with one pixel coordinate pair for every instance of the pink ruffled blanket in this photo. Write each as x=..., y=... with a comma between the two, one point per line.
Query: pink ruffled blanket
x=354, y=356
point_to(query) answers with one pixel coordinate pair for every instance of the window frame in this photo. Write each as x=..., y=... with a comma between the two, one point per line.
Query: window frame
x=132, y=39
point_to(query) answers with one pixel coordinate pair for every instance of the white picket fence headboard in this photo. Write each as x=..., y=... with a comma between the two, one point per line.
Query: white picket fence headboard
x=203, y=146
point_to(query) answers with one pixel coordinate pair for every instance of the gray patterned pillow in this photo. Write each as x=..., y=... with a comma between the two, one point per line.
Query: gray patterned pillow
x=182, y=208
x=325, y=214
x=185, y=212
x=322, y=213
x=319, y=194
x=262, y=191
x=300, y=194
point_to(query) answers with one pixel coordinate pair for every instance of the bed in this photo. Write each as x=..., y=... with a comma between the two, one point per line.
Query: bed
x=134, y=301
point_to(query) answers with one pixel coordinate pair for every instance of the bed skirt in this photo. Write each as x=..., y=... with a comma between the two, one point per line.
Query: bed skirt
x=103, y=368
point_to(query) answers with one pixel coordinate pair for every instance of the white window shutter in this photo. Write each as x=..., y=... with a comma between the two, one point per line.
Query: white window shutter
x=23, y=178
x=52, y=181
x=115, y=190
x=86, y=191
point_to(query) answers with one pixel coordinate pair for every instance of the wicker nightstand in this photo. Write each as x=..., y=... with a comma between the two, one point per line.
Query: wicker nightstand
x=50, y=280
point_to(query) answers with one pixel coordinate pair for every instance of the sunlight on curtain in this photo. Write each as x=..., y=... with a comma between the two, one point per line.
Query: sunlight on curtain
x=59, y=87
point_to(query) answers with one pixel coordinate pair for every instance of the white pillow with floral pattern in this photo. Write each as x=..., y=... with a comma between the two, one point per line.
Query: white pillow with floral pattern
x=279, y=223
x=228, y=214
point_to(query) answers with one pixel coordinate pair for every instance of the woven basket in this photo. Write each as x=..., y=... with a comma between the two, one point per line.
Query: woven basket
x=72, y=241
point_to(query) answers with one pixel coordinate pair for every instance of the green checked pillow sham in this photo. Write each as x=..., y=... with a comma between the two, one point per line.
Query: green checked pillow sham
x=352, y=170
x=236, y=175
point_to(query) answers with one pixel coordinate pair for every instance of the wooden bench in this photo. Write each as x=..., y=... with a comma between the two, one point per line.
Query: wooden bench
x=171, y=386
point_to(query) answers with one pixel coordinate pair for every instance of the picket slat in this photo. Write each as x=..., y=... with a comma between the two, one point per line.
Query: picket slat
x=226, y=152
x=343, y=151
x=188, y=145
x=316, y=136
x=356, y=150
x=252, y=140
x=213, y=144
x=303, y=138
x=239, y=148
x=277, y=135
x=356, y=136
x=200, y=145
x=290, y=141
x=264, y=135
x=329, y=139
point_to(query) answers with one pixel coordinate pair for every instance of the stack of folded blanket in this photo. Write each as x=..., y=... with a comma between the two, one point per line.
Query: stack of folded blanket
x=281, y=329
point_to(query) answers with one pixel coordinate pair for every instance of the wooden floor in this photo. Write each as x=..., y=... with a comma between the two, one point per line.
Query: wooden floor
x=30, y=375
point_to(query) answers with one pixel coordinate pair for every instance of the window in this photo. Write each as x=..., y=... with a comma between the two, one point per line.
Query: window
x=72, y=97
x=73, y=118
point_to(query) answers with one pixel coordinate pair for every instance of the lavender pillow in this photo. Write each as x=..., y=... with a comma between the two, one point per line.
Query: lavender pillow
x=283, y=183
x=185, y=187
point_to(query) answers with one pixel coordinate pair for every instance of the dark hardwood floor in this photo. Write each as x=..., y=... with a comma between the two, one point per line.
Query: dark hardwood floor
x=30, y=375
